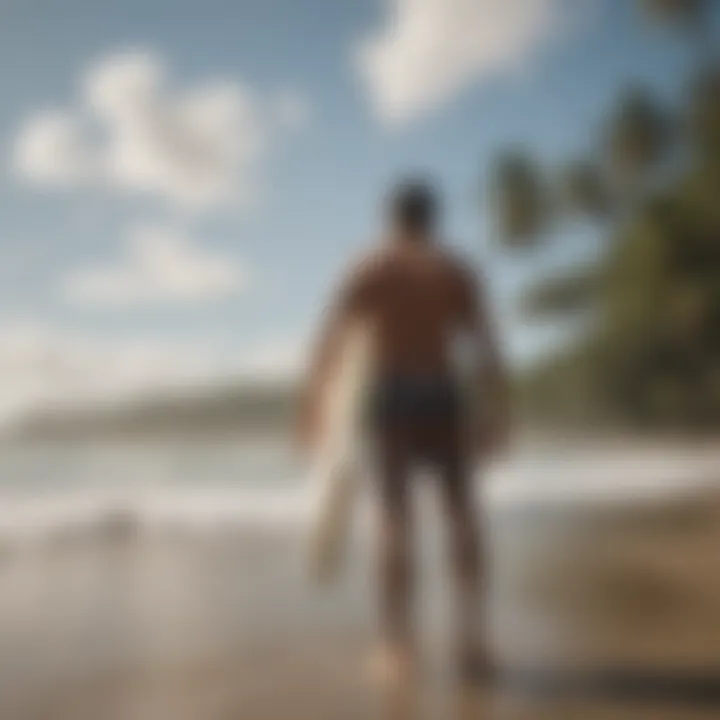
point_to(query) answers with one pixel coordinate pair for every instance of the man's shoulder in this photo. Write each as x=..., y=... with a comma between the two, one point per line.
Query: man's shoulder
x=372, y=258
x=376, y=259
x=456, y=263
x=367, y=265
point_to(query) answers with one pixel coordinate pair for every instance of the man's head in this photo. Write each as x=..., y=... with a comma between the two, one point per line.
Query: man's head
x=413, y=208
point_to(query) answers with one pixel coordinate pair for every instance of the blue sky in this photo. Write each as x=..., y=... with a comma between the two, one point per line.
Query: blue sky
x=99, y=243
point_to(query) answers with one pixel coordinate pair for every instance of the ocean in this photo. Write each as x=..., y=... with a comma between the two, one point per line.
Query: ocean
x=167, y=579
x=45, y=486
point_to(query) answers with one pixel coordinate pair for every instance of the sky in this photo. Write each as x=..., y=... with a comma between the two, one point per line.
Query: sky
x=181, y=181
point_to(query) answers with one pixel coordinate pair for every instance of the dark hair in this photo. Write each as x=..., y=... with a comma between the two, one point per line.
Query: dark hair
x=414, y=205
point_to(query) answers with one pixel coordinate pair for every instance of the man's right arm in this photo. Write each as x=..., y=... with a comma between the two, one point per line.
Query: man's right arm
x=493, y=376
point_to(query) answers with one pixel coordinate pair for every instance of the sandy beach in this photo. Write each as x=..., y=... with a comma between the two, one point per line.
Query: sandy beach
x=126, y=620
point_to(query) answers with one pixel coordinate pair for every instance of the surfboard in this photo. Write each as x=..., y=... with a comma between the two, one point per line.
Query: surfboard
x=338, y=466
x=337, y=469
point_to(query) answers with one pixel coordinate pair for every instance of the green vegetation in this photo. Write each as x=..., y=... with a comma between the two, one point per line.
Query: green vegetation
x=237, y=409
x=650, y=357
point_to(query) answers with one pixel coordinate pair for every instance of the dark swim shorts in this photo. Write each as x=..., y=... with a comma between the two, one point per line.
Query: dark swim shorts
x=412, y=398
x=415, y=422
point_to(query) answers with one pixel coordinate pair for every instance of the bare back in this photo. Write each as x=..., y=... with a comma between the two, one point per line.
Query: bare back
x=416, y=297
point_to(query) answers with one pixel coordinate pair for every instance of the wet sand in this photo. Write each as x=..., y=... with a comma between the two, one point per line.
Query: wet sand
x=130, y=623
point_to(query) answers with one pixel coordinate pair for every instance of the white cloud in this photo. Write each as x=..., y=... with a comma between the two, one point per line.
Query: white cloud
x=133, y=131
x=42, y=365
x=51, y=149
x=46, y=367
x=430, y=50
x=160, y=267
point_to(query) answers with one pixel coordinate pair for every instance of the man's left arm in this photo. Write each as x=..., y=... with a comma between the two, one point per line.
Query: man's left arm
x=348, y=302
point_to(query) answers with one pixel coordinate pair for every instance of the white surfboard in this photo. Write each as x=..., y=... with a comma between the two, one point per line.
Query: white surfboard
x=337, y=467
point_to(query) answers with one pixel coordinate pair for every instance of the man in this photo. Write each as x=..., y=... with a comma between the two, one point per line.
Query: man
x=419, y=301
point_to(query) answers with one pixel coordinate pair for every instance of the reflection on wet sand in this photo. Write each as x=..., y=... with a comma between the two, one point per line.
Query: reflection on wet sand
x=613, y=615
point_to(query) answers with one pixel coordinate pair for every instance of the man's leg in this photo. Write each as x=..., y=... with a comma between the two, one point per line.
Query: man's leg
x=467, y=564
x=395, y=557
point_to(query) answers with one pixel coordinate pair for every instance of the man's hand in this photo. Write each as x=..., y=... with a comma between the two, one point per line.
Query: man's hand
x=494, y=436
x=307, y=434
x=496, y=440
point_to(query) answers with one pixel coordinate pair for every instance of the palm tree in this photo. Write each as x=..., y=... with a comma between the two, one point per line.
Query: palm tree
x=638, y=135
x=574, y=292
x=691, y=16
x=586, y=190
x=683, y=11
x=705, y=111
x=520, y=198
x=650, y=351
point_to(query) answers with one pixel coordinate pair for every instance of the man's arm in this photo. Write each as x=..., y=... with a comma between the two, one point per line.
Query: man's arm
x=349, y=302
x=493, y=376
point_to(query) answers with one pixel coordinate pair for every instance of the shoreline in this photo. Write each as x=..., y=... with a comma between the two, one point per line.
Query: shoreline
x=203, y=609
